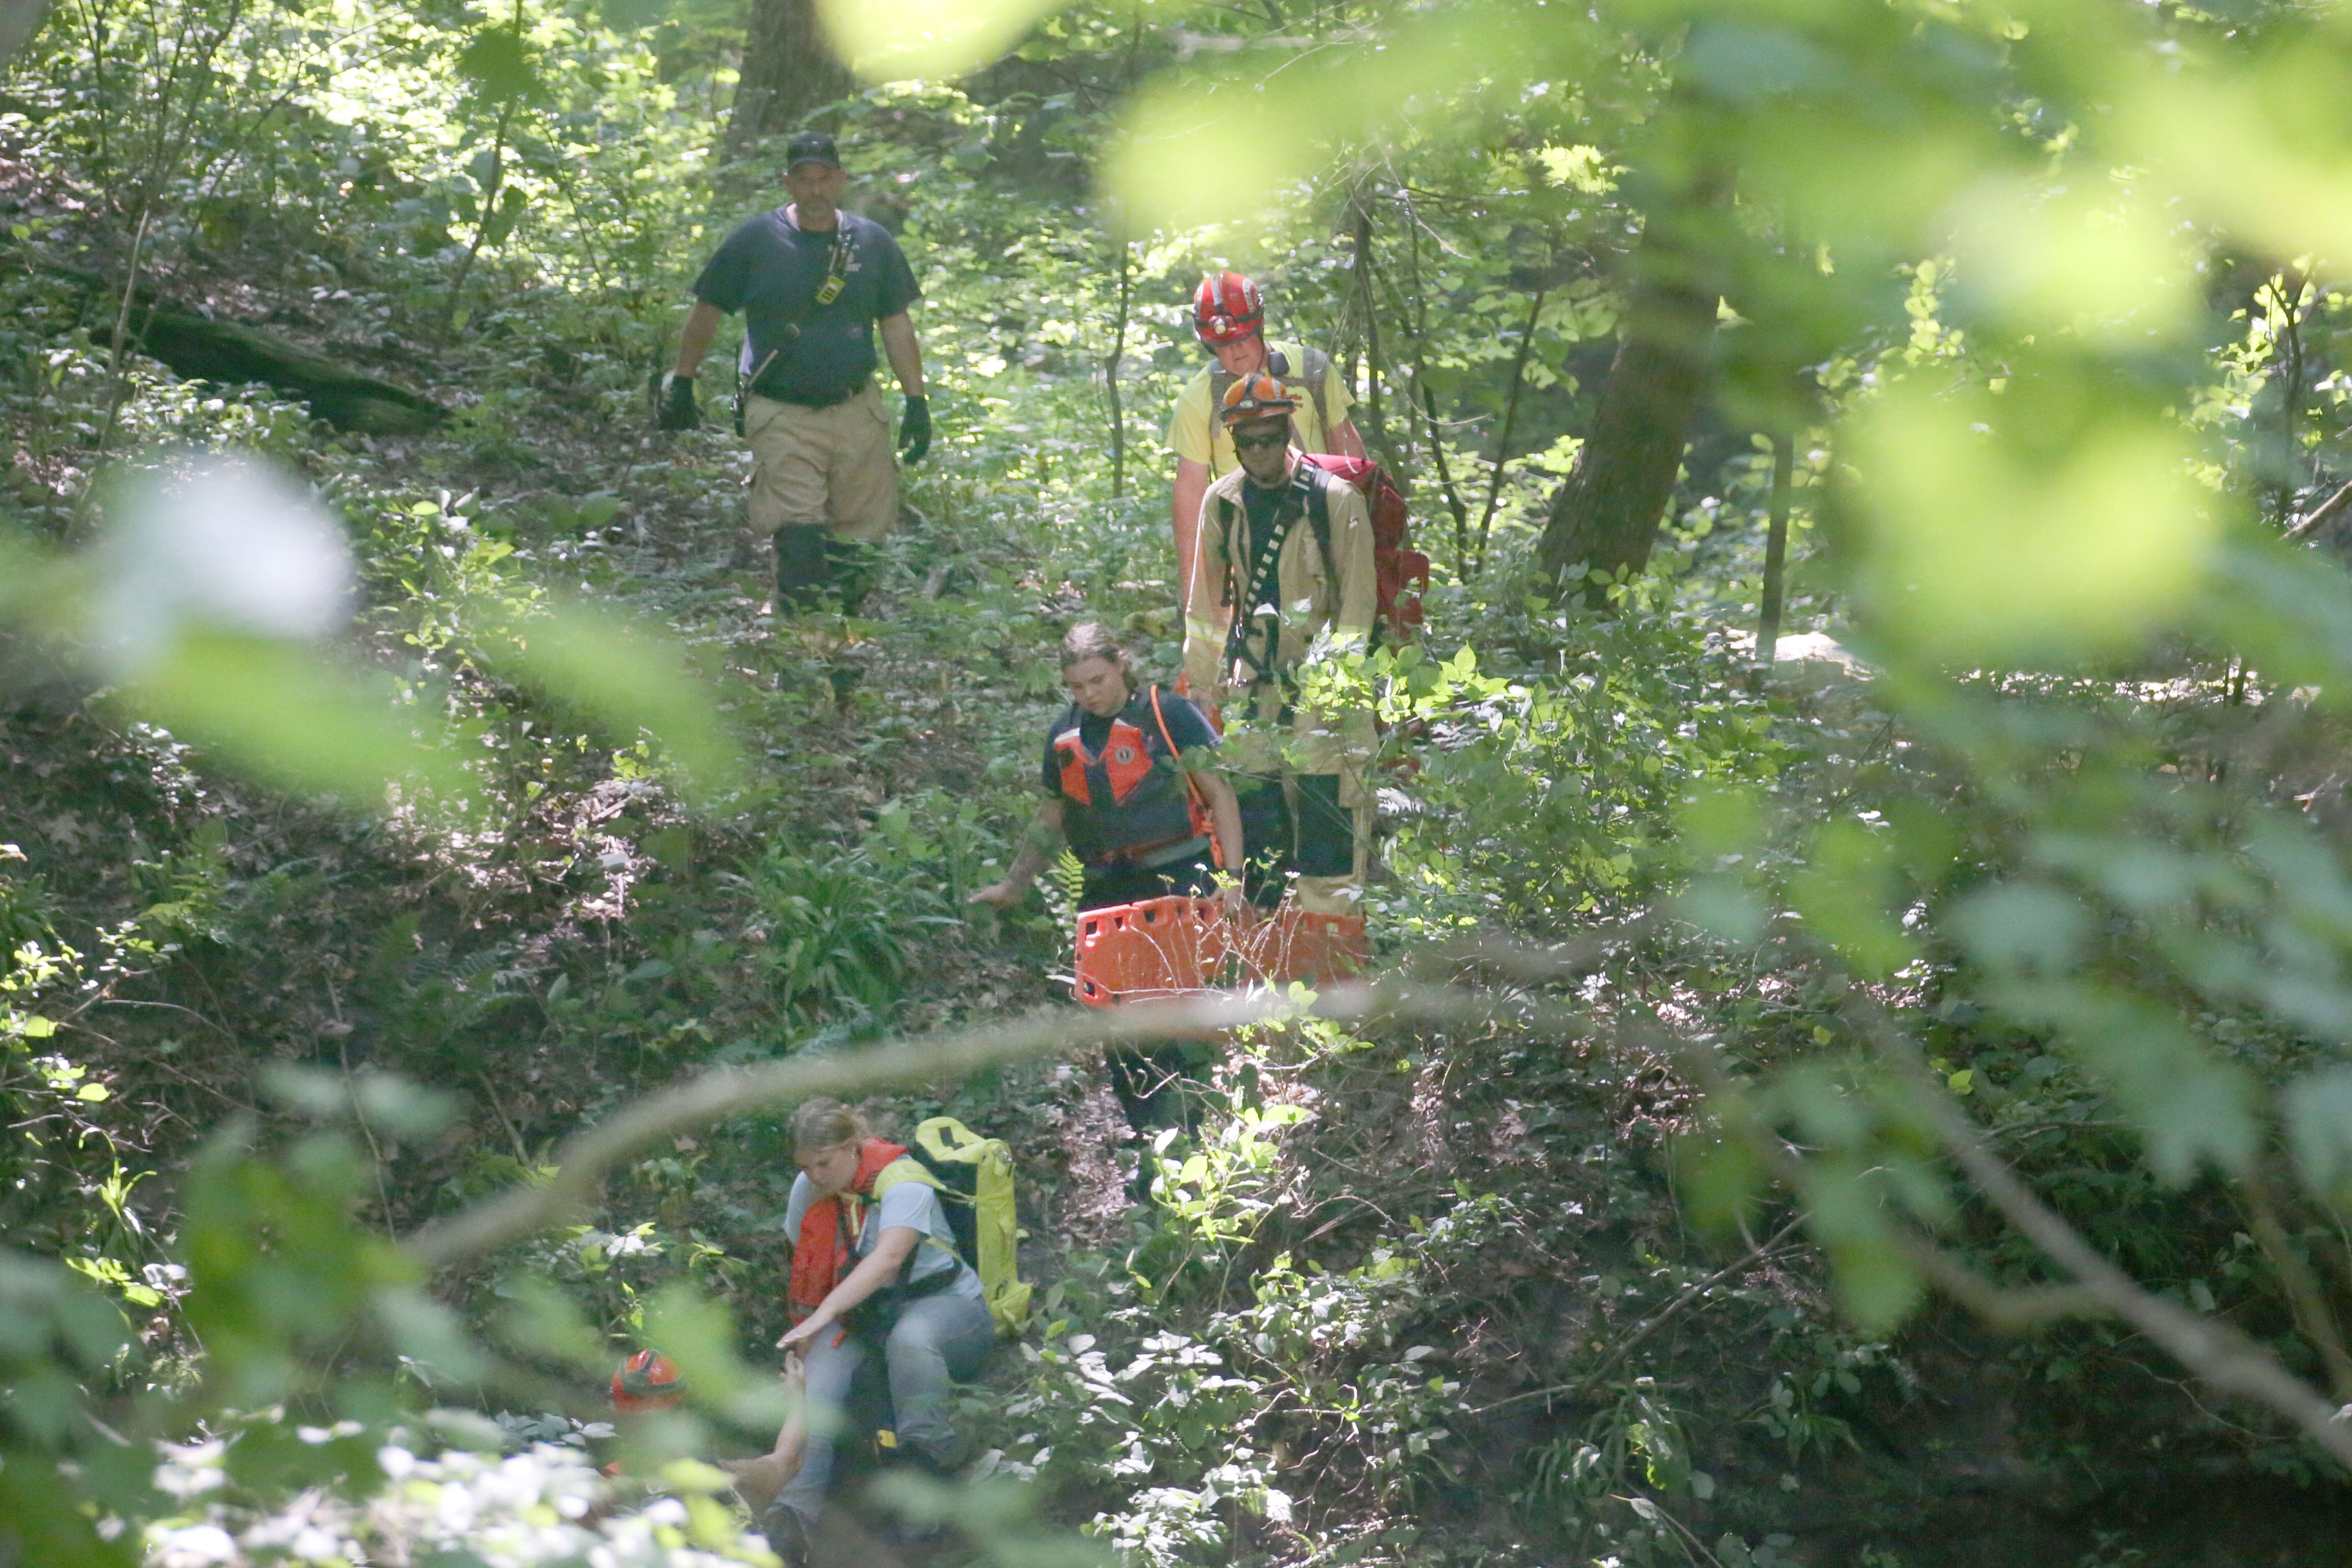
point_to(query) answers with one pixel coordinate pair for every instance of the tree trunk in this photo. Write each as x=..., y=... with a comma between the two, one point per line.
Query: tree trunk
x=1111, y=361
x=1367, y=300
x=19, y=20
x=789, y=68
x=1776, y=546
x=1606, y=515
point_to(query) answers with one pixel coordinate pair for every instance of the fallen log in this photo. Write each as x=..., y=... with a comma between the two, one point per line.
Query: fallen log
x=202, y=349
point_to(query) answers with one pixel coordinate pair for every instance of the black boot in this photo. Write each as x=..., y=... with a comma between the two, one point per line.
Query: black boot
x=945, y=1459
x=849, y=565
x=1161, y=1083
x=787, y=1535
x=802, y=572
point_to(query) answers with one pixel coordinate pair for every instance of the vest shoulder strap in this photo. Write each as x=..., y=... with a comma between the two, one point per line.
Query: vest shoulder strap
x=904, y=1168
x=1152, y=692
x=1318, y=517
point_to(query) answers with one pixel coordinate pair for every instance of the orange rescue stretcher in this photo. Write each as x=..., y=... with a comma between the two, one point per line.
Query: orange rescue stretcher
x=1180, y=946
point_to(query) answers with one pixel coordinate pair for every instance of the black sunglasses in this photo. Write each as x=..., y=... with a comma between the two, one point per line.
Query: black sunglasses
x=1262, y=439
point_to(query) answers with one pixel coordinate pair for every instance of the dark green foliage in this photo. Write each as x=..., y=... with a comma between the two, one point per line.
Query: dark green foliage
x=1619, y=1256
x=835, y=935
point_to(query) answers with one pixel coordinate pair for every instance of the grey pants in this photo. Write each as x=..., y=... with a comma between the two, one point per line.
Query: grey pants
x=937, y=1340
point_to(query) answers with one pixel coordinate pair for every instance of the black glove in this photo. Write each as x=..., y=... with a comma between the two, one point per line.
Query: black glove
x=678, y=410
x=915, y=429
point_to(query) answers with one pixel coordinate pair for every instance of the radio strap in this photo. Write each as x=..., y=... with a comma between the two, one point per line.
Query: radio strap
x=1264, y=577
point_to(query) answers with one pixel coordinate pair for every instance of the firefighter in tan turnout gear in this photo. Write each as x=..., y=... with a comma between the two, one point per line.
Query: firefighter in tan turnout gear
x=1284, y=578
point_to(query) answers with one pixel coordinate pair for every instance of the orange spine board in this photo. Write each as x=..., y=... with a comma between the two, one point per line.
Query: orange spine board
x=1180, y=946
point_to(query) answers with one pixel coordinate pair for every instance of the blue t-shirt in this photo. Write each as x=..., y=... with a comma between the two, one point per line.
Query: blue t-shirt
x=772, y=270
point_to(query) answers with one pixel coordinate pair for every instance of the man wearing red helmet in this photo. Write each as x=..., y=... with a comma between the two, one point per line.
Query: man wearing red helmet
x=1228, y=318
x=1284, y=578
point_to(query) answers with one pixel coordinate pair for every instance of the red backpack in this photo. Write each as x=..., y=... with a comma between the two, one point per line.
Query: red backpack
x=1401, y=571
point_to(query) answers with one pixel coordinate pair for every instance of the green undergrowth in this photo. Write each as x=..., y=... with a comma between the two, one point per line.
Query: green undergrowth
x=1485, y=1290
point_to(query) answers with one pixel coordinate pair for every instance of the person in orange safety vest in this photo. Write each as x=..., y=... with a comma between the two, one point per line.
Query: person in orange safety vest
x=1130, y=782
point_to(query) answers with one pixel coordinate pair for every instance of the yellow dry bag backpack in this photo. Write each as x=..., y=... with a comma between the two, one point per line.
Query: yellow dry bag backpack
x=974, y=1178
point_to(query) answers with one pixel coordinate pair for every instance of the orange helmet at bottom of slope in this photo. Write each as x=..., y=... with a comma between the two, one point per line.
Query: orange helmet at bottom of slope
x=648, y=1381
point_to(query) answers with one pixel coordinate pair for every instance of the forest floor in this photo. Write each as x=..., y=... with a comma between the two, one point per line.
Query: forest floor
x=1409, y=1240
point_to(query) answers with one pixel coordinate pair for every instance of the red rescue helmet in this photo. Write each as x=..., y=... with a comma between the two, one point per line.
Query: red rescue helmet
x=646, y=1381
x=1258, y=396
x=1227, y=309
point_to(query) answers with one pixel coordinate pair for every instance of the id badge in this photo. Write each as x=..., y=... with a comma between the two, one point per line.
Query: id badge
x=830, y=290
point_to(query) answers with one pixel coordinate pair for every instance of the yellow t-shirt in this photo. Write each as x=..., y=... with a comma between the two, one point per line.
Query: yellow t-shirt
x=1197, y=434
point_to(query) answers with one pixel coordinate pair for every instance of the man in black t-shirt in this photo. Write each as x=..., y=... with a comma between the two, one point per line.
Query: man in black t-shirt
x=813, y=283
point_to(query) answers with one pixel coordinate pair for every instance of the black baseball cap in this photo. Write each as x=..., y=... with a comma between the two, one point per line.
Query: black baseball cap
x=811, y=147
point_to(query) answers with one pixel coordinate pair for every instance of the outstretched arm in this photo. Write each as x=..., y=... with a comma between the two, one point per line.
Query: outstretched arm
x=873, y=1271
x=757, y=1481
x=1037, y=848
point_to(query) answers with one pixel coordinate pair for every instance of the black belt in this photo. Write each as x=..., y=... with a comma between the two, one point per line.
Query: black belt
x=818, y=399
x=1151, y=856
x=875, y=1316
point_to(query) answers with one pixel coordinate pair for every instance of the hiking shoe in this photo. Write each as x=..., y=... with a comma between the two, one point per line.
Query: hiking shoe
x=787, y=1535
x=944, y=1462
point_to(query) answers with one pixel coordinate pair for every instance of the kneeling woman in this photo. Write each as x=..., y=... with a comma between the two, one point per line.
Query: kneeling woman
x=875, y=1272
x=1127, y=776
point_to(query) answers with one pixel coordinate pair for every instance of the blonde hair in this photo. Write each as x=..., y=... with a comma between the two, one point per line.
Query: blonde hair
x=1092, y=639
x=826, y=1124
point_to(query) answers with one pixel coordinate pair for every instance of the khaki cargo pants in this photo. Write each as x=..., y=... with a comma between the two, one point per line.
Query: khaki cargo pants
x=830, y=466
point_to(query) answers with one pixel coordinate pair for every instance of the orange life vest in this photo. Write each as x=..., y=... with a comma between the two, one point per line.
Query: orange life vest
x=825, y=1249
x=1129, y=799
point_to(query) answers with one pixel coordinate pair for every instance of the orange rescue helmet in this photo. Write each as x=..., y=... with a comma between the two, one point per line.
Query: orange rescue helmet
x=1226, y=309
x=1258, y=396
x=646, y=1381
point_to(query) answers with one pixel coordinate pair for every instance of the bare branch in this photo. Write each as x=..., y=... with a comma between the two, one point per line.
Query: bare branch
x=2307, y=1297
x=2017, y=1309
x=2215, y=1351
x=724, y=1092
x=2320, y=514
